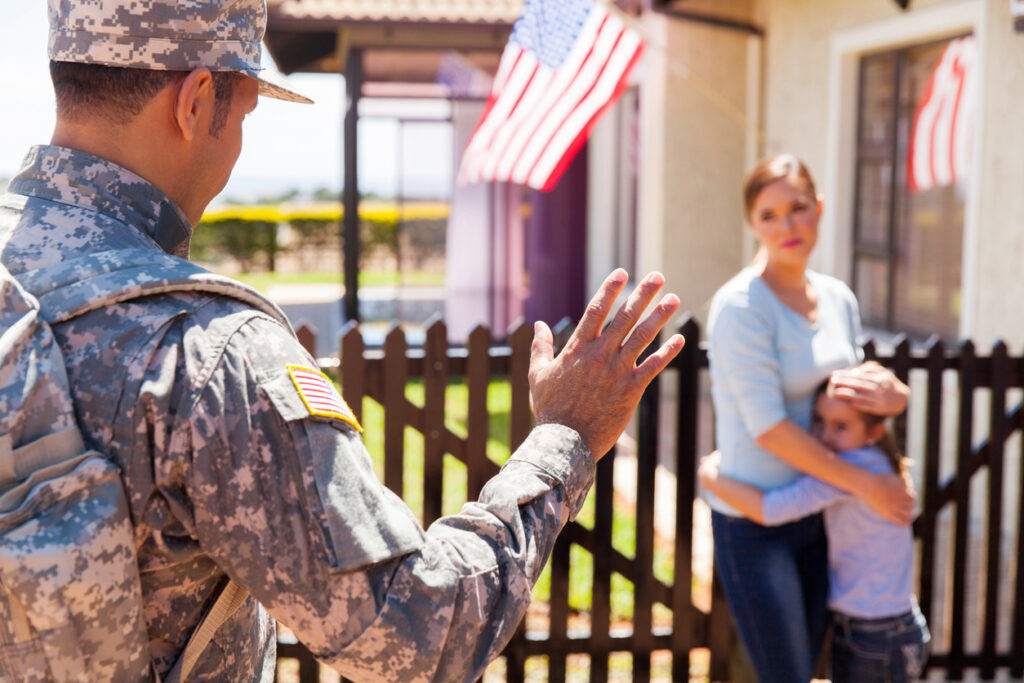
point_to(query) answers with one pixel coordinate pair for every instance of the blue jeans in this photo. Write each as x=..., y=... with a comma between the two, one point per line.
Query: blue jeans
x=776, y=581
x=889, y=650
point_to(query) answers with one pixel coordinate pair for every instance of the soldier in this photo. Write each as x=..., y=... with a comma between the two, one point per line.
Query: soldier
x=205, y=403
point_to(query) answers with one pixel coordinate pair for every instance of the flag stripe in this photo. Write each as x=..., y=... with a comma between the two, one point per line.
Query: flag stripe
x=558, y=92
x=584, y=132
x=581, y=84
x=580, y=119
x=522, y=73
x=538, y=114
x=941, y=138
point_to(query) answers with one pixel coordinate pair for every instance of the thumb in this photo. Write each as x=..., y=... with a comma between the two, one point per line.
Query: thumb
x=542, y=350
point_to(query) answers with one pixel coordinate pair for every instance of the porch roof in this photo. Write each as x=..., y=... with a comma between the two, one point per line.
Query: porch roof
x=402, y=41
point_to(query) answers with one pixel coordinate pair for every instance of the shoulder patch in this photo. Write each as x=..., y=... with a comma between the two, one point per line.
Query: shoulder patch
x=319, y=395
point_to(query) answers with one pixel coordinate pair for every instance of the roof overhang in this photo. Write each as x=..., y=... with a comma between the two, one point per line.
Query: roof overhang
x=401, y=41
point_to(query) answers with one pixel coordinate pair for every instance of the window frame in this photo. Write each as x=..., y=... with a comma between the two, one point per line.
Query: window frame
x=847, y=46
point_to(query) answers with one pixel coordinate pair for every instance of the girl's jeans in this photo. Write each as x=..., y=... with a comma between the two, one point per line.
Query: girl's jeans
x=776, y=581
x=888, y=650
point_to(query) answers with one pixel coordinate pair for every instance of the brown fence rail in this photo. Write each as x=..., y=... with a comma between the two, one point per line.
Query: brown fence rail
x=959, y=430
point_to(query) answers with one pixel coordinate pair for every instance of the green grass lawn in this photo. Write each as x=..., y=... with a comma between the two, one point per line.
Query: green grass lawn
x=499, y=400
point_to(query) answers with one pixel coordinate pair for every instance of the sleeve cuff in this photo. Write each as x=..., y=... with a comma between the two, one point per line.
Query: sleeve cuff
x=559, y=451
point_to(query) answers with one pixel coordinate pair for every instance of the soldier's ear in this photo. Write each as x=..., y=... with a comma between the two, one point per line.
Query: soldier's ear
x=194, y=102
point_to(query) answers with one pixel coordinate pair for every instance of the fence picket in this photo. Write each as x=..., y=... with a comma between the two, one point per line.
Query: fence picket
x=1017, y=636
x=558, y=614
x=997, y=439
x=520, y=338
x=684, y=614
x=395, y=378
x=963, y=490
x=353, y=369
x=306, y=334
x=901, y=368
x=435, y=382
x=932, y=445
x=478, y=375
x=600, y=610
x=643, y=563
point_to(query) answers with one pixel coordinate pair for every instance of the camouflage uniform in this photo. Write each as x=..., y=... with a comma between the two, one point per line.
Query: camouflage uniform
x=229, y=474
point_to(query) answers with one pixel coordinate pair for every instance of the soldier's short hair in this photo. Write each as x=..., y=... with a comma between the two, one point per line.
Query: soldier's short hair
x=119, y=94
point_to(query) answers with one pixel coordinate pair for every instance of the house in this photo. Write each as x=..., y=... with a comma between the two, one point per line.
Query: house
x=838, y=84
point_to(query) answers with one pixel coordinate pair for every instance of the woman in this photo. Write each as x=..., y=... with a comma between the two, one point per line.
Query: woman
x=777, y=330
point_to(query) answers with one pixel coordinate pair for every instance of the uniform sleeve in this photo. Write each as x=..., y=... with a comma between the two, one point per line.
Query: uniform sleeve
x=803, y=497
x=743, y=352
x=287, y=503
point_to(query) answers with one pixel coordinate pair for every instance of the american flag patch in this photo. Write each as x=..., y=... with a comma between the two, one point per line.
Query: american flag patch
x=320, y=396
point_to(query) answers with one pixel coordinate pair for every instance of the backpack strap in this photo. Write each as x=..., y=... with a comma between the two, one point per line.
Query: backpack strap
x=231, y=597
x=72, y=288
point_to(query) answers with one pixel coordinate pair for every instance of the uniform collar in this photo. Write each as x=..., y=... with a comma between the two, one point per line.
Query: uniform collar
x=82, y=180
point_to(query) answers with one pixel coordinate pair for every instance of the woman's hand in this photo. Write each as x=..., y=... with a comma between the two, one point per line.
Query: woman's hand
x=872, y=388
x=892, y=496
x=710, y=466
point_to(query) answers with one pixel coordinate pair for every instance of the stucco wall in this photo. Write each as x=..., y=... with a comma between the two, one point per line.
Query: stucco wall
x=694, y=147
x=1000, y=243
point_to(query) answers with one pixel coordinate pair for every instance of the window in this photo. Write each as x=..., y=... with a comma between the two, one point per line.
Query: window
x=907, y=249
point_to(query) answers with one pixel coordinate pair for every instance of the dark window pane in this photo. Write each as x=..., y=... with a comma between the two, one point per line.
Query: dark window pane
x=872, y=291
x=927, y=294
x=924, y=228
x=877, y=91
x=874, y=184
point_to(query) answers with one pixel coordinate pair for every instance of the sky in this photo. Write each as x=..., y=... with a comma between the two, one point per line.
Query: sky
x=286, y=146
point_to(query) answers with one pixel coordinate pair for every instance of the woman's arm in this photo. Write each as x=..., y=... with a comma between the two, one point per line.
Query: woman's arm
x=887, y=494
x=749, y=500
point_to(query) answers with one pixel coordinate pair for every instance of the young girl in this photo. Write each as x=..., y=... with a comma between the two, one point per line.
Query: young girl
x=880, y=633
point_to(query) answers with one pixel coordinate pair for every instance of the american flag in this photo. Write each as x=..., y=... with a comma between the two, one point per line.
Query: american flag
x=320, y=396
x=565, y=63
x=941, y=138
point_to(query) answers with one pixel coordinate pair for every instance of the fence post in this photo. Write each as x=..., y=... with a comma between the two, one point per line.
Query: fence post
x=306, y=334
x=353, y=368
x=683, y=612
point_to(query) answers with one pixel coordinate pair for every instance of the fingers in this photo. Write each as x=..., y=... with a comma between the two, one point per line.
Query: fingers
x=660, y=359
x=600, y=305
x=861, y=401
x=634, y=307
x=650, y=326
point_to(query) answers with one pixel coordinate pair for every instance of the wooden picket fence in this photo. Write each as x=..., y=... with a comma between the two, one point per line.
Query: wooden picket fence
x=971, y=583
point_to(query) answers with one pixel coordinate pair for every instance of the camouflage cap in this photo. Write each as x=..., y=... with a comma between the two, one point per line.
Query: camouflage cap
x=171, y=35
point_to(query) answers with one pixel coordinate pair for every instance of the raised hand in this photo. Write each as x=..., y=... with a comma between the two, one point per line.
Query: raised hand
x=595, y=384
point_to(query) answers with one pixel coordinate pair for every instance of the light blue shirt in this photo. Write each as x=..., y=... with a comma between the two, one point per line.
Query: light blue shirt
x=870, y=560
x=766, y=361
